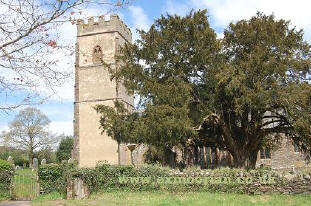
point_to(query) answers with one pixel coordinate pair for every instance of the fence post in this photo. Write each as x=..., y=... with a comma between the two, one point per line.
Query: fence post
x=37, y=185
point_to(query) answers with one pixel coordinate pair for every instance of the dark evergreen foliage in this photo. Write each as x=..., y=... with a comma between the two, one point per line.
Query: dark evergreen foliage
x=239, y=93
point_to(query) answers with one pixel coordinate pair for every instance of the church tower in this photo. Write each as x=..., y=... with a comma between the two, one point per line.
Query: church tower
x=97, y=42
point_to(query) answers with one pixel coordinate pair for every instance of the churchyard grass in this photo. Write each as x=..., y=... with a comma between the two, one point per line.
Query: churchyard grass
x=175, y=199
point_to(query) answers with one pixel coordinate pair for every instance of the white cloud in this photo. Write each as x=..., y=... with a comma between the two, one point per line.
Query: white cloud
x=61, y=127
x=225, y=11
x=220, y=35
x=177, y=7
x=139, y=20
x=3, y=127
x=222, y=12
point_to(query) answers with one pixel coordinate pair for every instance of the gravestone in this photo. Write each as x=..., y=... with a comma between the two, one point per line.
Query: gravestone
x=70, y=161
x=35, y=163
x=77, y=189
x=43, y=162
x=10, y=160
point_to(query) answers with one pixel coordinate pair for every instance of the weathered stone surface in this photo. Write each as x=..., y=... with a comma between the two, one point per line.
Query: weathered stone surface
x=10, y=160
x=70, y=161
x=93, y=86
x=35, y=163
x=101, y=41
x=289, y=176
x=77, y=189
x=284, y=157
x=43, y=162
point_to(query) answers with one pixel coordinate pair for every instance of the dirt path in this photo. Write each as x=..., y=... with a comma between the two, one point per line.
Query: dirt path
x=15, y=203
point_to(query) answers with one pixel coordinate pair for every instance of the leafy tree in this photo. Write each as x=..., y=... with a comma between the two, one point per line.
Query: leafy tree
x=64, y=149
x=162, y=155
x=46, y=153
x=175, y=52
x=239, y=93
x=19, y=156
x=260, y=91
x=28, y=132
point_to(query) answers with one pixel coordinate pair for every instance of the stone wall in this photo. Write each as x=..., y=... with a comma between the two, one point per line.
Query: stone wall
x=285, y=157
x=153, y=178
x=298, y=186
x=273, y=181
x=138, y=154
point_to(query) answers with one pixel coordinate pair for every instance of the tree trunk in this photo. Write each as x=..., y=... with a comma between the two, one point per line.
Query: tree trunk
x=30, y=156
x=245, y=160
x=253, y=158
x=31, y=148
x=119, y=155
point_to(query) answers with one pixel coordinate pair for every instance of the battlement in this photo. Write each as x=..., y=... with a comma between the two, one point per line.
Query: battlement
x=112, y=24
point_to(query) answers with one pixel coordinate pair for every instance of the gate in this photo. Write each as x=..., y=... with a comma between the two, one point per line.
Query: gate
x=25, y=186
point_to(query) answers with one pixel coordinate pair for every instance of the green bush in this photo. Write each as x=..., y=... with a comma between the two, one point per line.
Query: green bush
x=21, y=162
x=105, y=177
x=64, y=149
x=53, y=177
x=6, y=175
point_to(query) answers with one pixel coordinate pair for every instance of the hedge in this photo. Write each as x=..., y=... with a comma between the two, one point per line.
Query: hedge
x=106, y=177
x=6, y=175
x=53, y=178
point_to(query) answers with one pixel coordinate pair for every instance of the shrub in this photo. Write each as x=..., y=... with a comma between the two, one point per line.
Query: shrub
x=64, y=149
x=6, y=175
x=21, y=162
x=53, y=177
x=105, y=177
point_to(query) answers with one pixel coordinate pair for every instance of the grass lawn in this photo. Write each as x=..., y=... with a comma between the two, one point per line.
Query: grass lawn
x=175, y=199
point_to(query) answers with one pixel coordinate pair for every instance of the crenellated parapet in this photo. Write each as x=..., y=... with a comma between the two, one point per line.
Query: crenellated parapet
x=104, y=25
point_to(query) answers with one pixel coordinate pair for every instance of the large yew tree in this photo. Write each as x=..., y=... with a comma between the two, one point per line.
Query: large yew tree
x=240, y=93
x=260, y=92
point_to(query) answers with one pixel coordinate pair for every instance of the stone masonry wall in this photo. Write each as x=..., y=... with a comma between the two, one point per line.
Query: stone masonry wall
x=93, y=86
x=285, y=157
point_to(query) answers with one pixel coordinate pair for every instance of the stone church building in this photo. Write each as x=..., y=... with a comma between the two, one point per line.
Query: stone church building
x=99, y=41
x=96, y=42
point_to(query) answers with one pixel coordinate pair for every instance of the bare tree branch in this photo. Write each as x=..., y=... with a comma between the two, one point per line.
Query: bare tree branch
x=31, y=52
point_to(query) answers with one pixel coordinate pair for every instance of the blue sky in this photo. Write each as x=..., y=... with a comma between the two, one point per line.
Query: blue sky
x=141, y=13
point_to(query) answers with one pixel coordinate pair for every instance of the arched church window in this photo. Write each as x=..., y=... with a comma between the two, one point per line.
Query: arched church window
x=97, y=54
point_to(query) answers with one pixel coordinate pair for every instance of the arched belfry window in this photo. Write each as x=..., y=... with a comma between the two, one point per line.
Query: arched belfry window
x=97, y=54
